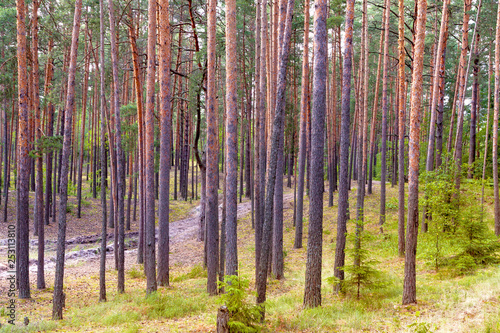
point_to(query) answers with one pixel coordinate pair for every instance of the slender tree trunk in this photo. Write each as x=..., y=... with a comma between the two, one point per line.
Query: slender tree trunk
x=23, y=171
x=343, y=205
x=490, y=72
x=474, y=111
x=277, y=253
x=69, y=109
x=262, y=115
x=165, y=148
x=312, y=293
x=385, y=106
x=82, y=138
x=271, y=181
x=140, y=149
x=496, y=108
x=409, y=289
x=149, y=166
x=120, y=160
x=39, y=223
x=401, y=130
x=212, y=213
x=461, y=93
x=437, y=70
x=102, y=263
x=302, y=134
x=374, y=110
x=256, y=161
x=231, y=141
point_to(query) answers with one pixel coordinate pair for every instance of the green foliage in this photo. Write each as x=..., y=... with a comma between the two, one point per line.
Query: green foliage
x=442, y=208
x=459, y=235
x=196, y=272
x=171, y=306
x=392, y=204
x=244, y=317
x=47, y=144
x=422, y=327
x=477, y=244
x=134, y=273
x=362, y=271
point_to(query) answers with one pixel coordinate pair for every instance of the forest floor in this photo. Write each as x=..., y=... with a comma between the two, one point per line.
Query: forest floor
x=446, y=302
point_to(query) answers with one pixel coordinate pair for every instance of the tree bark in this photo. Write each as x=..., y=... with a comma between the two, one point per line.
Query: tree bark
x=302, y=134
x=212, y=211
x=165, y=148
x=63, y=187
x=343, y=205
x=23, y=171
x=102, y=262
x=150, y=248
x=271, y=171
x=385, y=107
x=401, y=130
x=474, y=111
x=231, y=182
x=312, y=293
x=120, y=160
x=496, y=108
x=409, y=289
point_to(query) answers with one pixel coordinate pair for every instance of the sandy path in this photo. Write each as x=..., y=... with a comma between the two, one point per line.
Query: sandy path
x=185, y=249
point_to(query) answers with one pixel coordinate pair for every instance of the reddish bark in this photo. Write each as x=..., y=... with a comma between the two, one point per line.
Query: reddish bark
x=409, y=289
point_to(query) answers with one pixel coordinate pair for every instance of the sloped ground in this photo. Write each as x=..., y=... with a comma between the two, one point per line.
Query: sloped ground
x=446, y=304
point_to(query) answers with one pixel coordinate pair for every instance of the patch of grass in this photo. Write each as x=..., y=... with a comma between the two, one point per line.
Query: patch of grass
x=42, y=326
x=135, y=273
x=172, y=305
x=195, y=273
x=116, y=318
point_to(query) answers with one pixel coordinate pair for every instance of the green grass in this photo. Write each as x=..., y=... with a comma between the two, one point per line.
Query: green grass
x=445, y=298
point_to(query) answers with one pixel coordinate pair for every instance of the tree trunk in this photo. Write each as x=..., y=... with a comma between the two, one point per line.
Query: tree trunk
x=374, y=110
x=102, y=262
x=302, y=134
x=438, y=69
x=149, y=165
x=212, y=210
x=312, y=293
x=343, y=205
x=474, y=111
x=231, y=182
x=23, y=171
x=464, y=73
x=490, y=71
x=140, y=149
x=409, y=289
x=271, y=172
x=277, y=253
x=385, y=106
x=401, y=130
x=165, y=148
x=39, y=223
x=69, y=109
x=82, y=137
x=496, y=108
x=120, y=160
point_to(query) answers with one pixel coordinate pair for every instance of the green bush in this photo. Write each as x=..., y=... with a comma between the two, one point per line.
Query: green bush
x=456, y=223
x=243, y=315
x=362, y=271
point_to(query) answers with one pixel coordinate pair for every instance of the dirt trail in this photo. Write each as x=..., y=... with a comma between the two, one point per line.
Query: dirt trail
x=82, y=252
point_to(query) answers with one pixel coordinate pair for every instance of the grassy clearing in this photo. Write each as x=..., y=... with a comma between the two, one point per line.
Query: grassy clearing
x=447, y=301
